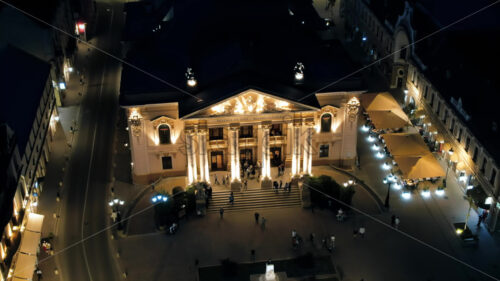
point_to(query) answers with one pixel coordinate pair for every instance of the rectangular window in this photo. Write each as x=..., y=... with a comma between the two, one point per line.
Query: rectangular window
x=459, y=137
x=483, y=166
x=425, y=91
x=432, y=99
x=452, y=125
x=216, y=133
x=474, y=155
x=246, y=131
x=323, y=150
x=166, y=162
x=493, y=176
x=438, y=108
x=467, y=143
x=445, y=116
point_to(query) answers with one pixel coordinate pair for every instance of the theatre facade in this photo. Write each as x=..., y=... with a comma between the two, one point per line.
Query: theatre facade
x=253, y=126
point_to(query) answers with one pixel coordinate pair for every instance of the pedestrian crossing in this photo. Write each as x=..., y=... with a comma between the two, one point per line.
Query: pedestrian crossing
x=254, y=199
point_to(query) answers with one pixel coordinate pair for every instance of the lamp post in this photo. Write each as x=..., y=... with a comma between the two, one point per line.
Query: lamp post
x=388, y=182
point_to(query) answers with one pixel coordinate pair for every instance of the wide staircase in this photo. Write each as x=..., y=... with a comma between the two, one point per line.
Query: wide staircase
x=254, y=199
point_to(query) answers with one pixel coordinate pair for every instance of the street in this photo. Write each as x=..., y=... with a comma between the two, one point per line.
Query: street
x=84, y=209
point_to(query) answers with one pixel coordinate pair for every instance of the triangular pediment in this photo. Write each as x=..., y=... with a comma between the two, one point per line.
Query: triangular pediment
x=250, y=102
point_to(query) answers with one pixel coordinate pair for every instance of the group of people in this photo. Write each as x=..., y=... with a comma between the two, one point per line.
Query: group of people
x=279, y=185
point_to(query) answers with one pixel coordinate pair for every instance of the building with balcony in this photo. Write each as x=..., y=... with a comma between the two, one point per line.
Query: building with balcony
x=28, y=117
x=226, y=89
x=449, y=78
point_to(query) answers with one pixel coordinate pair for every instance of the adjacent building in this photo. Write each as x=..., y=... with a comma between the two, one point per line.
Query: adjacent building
x=28, y=117
x=445, y=74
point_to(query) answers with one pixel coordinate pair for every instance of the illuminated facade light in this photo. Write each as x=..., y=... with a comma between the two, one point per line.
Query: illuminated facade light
x=371, y=138
x=62, y=85
x=375, y=147
x=365, y=128
x=397, y=186
x=191, y=81
x=299, y=71
x=440, y=192
x=364, y=38
x=379, y=155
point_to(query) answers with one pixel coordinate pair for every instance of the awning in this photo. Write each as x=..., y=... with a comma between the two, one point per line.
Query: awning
x=419, y=167
x=461, y=166
x=403, y=144
x=35, y=222
x=378, y=101
x=389, y=119
x=30, y=242
x=25, y=267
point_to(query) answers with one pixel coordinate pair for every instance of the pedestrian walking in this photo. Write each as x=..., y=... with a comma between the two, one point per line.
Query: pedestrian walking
x=263, y=223
x=289, y=187
x=114, y=215
x=479, y=220
x=216, y=180
x=362, y=231
x=223, y=180
x=294, y=233
x=245, y=185
x=252, y=254
x=281, y=184
x=256, y=216
x=396, y=222
x=393, y=221
x=231, y=198
x=311, y=237
x=221, y=212
x=39, y=273
x=355, y=233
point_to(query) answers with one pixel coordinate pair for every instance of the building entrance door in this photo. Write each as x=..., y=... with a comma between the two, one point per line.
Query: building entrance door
x=275, y=156
x=216, y=160
x=246, y=155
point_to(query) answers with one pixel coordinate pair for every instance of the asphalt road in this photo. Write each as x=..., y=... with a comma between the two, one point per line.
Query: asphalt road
x=85, y=210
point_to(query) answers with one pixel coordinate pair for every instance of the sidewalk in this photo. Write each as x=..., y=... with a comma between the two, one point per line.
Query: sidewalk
x=49, y=205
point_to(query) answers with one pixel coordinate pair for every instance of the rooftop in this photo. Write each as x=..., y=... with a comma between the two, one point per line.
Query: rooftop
x=22, y=81
x=230, y=51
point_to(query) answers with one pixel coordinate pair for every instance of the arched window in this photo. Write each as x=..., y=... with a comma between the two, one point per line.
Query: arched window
x=164, y=134
x=326, y=123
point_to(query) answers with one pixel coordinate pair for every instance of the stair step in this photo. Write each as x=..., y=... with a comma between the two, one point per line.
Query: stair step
x=253, y=199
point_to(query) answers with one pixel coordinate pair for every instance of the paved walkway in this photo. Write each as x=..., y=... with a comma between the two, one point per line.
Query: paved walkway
x=48, y=205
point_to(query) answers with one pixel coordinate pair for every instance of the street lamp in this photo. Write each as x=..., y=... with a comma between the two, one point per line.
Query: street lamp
x=159, y=198
x=115, y=203
x=388, y=182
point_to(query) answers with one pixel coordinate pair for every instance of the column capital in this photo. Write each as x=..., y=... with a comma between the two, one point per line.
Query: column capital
x=234, y=126
x=266, y=124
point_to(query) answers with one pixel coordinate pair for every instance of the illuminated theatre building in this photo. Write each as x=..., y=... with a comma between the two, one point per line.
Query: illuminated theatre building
x=263, y=111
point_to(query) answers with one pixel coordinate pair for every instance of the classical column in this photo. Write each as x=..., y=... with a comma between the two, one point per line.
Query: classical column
x=192, y=171
x=235, y=156
x=306, y=165
x=202, y=147
x=266, y=163
x=296, y=149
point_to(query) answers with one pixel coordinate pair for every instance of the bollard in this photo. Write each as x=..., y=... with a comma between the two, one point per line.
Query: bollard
x=124, y=275
x=112, y=237
x=60, y=183
x=118, y=254
x=54, y=215
x=56, y=271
